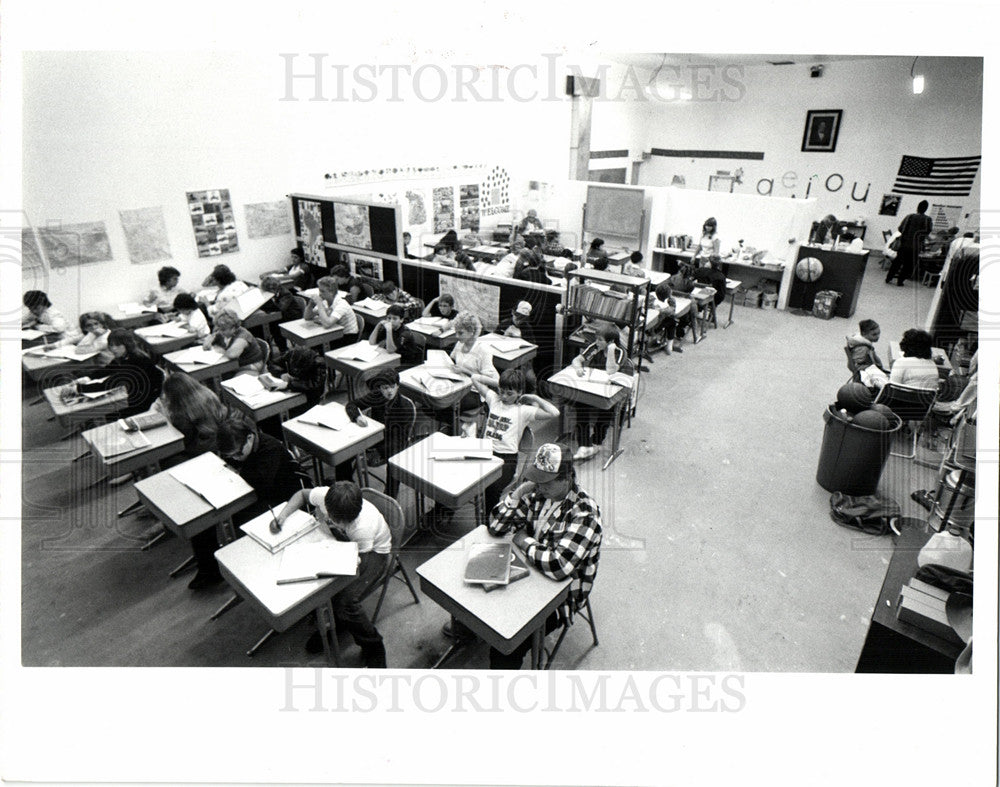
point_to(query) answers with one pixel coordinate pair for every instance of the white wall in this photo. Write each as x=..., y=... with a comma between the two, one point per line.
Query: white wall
x=766, y=112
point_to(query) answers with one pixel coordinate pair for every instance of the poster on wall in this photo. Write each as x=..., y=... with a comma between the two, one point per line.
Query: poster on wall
x=469, y=206
x=145, y=235
x=944, y=216
x=213, y=222
x=311, y=224
x=890, y=205
x=495, y=192
x=365, y=266
x=444, y=208
x=33, y=275
x=76, y=244
x=353, y=225
x=268, y=219
x=416, y=213
x=482, y=299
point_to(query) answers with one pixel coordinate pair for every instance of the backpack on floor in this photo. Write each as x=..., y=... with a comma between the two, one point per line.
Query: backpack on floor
x=868, y=513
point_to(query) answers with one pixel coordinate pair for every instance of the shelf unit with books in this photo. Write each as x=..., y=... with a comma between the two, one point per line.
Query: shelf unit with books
x=613, y=297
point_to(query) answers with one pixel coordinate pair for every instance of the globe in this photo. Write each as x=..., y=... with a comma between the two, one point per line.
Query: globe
x=809, y=269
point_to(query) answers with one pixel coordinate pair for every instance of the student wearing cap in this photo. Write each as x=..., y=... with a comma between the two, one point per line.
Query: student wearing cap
x=557, y=527
x=518, y=324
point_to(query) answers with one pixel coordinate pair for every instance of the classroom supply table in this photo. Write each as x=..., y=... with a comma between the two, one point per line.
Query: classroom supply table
x=357, y=370
x=434, y=337
x=211, y=371
x=450, y=483
x=310, y=334
x=567, y=386
x=669, y=260
x=332, y=445
x=252, y=572
x=938, y=355
x=503, y=618
x=161, y=339
x=187, y=512
x=439, y=395
x=509, y=352
x=259, y=405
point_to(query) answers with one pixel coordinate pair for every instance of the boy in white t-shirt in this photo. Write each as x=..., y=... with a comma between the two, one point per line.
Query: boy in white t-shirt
x=350, y=518
x=510, y=413
x=190, y=316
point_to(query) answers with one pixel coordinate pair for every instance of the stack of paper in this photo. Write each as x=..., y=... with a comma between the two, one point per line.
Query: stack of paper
x=332, y=416
x=378, y=308
x=430, y=323
x=148, y=420
x=66, y=351
x=439, y=358
x=130, y=309
x=433, y=379
x=505, y=344
x=303, y=562
x=244, y=385
x=362, y=351
x=197, y=355
x=488, y=564
x=445, y=448
x=207, y=476
x=292, y=529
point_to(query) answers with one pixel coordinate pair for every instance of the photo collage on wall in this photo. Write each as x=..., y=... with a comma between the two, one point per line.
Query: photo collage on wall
x=444, y=208
x=469, y=206
x=213, y=222
x=311, y=229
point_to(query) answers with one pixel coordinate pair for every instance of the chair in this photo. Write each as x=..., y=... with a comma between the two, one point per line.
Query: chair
x=852, y=366
x=886, y=261
x=265, y=349
x=393, y=515
x=910, y=404
x=587, y=614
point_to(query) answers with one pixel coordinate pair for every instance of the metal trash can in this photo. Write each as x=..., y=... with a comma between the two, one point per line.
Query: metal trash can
x=852, y=457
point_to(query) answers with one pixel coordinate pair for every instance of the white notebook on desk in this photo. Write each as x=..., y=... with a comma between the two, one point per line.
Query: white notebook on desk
x=446, y=448
x=197, y=355
x=332, y=416
x=378, y=308
x=305, y=562
x=207, y=476
x=359, y=352
x=293, y=528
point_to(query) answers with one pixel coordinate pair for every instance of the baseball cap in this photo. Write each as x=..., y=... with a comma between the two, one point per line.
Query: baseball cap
x=550, y=460
x=523, y=308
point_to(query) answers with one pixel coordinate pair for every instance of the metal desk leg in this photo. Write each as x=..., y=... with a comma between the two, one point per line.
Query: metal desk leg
x=361, y=467
x=478, y=504
x=154, y=540
x=536, y=648
x=732, y=302
x=260, y=643
x=616, y=437
x=456, y=421
x=328, y=633
x=182, y=567
x=235, y=600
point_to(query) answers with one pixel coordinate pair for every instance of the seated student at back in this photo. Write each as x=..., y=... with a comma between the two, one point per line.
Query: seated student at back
x=298, y=369
x=40, y=315
x=597, y=257
x=391, y=334
x=604, y=353
x=330, y=310
x=229, y=288
x=236, y=343
x=284, y=301
x=391, y=293
x=443, y=306
x=534, y=268
x=518, y=324
x=505, y=267
x=915, y=369
x=190, y=316
x=95, y=327
x=352, y=289
x=131, y=369
x=395, y=412
x=349, y=517
x=710, y=275
x=163, y=296
x=666, y=332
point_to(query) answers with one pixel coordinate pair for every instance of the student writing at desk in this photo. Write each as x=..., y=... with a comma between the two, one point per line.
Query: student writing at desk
x=162, y=297
x=190, y=316
x=284, y=301
x=41, y=315
x=395, y=337
x=236, y=342
x=391, y=293
x=597, y=257
x=349, y=517
x=352, y=289
x=298, y=369
x=557, y=527
x=395, y=412
x=442, y=306
x=131, y=369
x=95, y=327
x=604, y=354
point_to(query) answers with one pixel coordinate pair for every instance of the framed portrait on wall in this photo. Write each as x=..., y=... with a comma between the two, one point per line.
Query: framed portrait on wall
x=821, y=131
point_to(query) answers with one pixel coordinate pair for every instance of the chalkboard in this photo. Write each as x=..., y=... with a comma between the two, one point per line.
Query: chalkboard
x=615, y=212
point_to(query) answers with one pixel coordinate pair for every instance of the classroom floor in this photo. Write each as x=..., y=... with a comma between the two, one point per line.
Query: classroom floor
x=718, y=554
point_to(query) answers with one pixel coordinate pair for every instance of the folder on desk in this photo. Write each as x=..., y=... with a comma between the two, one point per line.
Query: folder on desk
x=318, y=560
x=488, y=564
x=518, y=570
x=208, y=477
x=112, y=442
x=293, y=528
x=447, y=448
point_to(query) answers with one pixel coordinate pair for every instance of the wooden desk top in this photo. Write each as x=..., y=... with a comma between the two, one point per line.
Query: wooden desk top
x=37, y=366
x=441, y=394
x=334, y=445
x=133, y=321
x=309, y=333
x=453, y=484
x=84, y=406
x=603, y=396
x=504, y=618
x=434, y=337
x=252, y=572
x=164, y=441
x=161, y=345
x=336, y=359
x=261, y=317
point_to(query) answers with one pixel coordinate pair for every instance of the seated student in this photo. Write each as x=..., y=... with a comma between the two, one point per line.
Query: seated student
x=236, y=342
x=464, y=261
x=299, y=270
x=131, y=369
x=352, y=289
x=915, y=369
x=262, y=461
x=407, y=237
x=862, y=348
x=682, y=281
x=665, y=334
x=604, y=353
x=509, y=413
x=391, y=334
x=93, y=337
x=710, y=275
x=534, y=269
x=450, y=240
x=349, y=517
x=473, y=358
x=442, y=306
x=531, y=224
x=229, y=288
x=163, y=296
x=395, y=412
x=41, y=315
x=330, y=310
x=391, y=293
x=505, y=267
x=519, y=324
x=443, y=255
x=299, y=369
x=190, y=315
x=597, y=257
x=284, y=301
x=196, y=412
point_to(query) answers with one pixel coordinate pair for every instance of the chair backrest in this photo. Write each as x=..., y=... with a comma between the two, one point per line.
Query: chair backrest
x=361, y=323
x=391, y=511
x=910, y=404
x=886, y=234
x=853, y=367
x=303, y=301
x=265, y=348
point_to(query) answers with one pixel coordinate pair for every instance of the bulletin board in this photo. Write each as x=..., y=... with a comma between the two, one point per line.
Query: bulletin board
x=614, y=211
x=354, y=225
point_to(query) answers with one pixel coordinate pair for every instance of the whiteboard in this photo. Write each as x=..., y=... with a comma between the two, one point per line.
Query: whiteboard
x=614, y=211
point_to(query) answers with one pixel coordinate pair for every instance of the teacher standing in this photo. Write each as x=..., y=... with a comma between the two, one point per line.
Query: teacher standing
x=708, y=246
x=913, y=232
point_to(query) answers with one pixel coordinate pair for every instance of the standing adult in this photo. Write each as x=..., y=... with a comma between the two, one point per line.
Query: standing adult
x=708, y=245
x=912, y=234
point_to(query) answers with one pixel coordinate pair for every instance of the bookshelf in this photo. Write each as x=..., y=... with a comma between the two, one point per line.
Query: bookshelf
x=613, y=297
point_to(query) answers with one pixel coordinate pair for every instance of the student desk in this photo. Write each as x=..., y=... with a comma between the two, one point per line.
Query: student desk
x=939, y=356
x=309, y=334
x=261, y=318
x=434, y=338
x=82, y=409
x=333, y=446
x=565, y=385
x=355, y=371
x=509, y=359
x=158, y=346
x=371, y=318
x=185, y=512
x=486, y=253
x=732, y=285
x=212, y=372
x=29, y=339
x=442, y=395
x=133, y=321
x=252, y=572
x=701, y=299
x=503, y=618
x=265, y=405
x=38, y=367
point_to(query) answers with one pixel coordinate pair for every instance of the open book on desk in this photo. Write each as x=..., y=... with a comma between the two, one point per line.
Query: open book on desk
x=362, y=351
x=596, y=376
x=112, y=442
x=169, y=329
x=331, y=416
x=445, y=448
x=432, y=325
x=209, y=478
x=197, y=355
x=250, y=388
x=292, y=529
x=67, y=351
x=132, y=309
x=505, y=344
x=142, y=421
x=305, y=562
x=378, y=308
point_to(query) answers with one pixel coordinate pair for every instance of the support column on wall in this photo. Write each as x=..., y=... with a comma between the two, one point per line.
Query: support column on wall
x=582, y=91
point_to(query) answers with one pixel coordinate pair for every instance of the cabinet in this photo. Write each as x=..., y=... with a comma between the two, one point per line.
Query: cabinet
x=612, y=297
x=842, y=271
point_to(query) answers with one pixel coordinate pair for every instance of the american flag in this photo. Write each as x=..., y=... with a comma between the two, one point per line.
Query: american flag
x=950, y=176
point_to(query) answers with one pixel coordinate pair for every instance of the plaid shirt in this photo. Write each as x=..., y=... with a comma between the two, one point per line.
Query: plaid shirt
x=567, y=545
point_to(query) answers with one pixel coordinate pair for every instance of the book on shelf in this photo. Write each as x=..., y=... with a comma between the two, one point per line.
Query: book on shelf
x=488, y=564
x=296, y=525
x=312, y=560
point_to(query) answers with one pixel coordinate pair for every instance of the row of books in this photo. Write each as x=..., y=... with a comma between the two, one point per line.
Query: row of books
x=612, y=306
